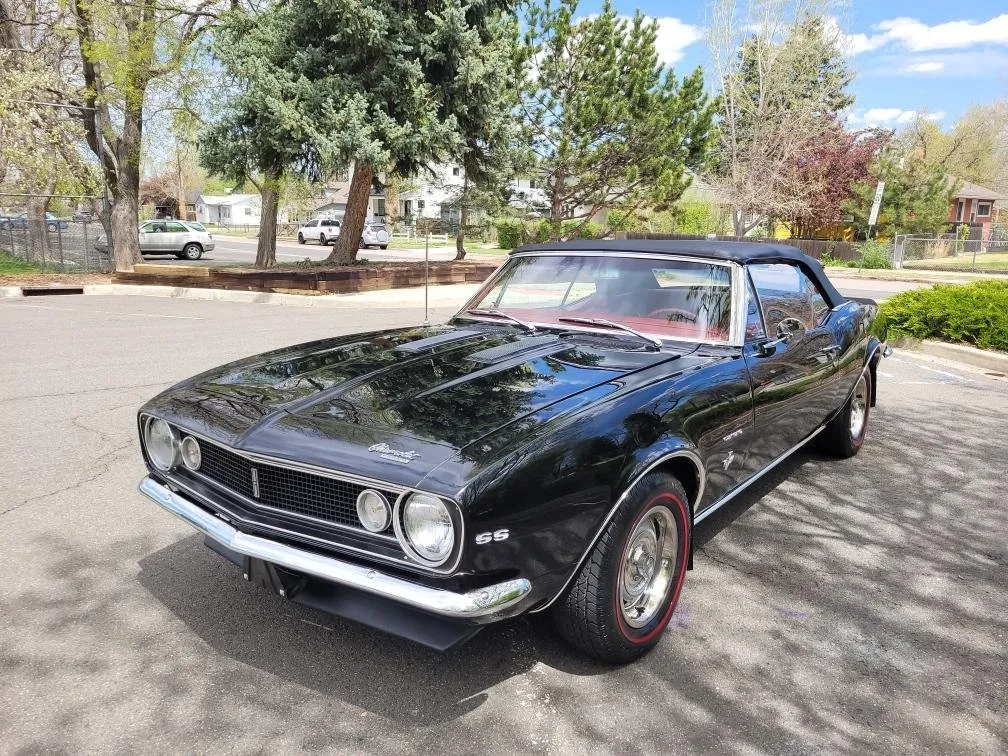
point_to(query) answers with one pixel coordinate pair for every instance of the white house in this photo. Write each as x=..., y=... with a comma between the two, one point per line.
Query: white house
x=229, y=209
x=432, y=189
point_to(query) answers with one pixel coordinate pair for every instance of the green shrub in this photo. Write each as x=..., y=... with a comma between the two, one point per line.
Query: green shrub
x=829, y=261
x=874, y=255
x=975, y=314
x=510, y=233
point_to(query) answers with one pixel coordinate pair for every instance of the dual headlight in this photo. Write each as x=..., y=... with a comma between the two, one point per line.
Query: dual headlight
x=165, y=450
x=422, y=524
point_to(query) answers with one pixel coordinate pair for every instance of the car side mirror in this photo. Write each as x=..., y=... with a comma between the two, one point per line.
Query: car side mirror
x=789, y=331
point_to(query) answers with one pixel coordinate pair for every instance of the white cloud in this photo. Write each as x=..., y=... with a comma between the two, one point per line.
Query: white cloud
x=917, y=36
x=925, y=67
x=890, y=117
x=674, y=37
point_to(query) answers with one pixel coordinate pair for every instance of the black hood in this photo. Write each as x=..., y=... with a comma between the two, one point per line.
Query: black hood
x=393, y=405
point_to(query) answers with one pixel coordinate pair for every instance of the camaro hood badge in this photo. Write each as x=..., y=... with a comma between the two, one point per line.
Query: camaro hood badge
x=393, y=455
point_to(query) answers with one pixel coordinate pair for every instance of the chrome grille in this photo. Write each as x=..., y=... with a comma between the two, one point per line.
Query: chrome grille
x=292, y=491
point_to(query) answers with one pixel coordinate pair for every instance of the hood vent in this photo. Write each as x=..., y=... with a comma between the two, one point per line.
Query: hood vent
x=422, y=345
x=524, y=344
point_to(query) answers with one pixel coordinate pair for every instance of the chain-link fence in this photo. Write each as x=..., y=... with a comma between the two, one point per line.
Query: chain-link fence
x=988, y=252
x=68, y=242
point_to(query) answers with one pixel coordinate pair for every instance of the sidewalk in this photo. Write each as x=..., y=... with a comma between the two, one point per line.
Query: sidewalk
x=911, y=275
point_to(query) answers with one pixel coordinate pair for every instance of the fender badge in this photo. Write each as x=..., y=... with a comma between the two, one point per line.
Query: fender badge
x=393, y=455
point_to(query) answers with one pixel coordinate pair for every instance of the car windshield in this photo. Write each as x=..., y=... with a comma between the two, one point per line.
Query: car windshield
x=665, y=297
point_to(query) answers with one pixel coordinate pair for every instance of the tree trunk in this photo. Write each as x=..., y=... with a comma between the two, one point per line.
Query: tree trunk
x=126, y=192
x=39, y=248
x=266, y=248
x=556, y=208
x=460, y=250
x=348, y=242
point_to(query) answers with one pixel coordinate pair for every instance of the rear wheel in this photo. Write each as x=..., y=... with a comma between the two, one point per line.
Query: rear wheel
x=383, y=246
x=845, y=433
x=623, y=597
x=322, y=239
x=192, y=252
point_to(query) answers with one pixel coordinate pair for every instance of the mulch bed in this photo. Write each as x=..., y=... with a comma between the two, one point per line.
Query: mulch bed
x=49, y=279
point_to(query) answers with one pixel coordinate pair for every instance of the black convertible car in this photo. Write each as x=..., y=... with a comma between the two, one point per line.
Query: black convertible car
x=551, y=448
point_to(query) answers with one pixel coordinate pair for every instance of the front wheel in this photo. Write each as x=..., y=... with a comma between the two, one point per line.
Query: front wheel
x=51, y=227
x=623, y=596
x=383, y=246
x=300, y=238
x=192, y=252
x=322, y=239
x=845, y=433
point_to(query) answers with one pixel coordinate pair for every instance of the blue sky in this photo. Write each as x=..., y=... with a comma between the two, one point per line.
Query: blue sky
x=910, y=56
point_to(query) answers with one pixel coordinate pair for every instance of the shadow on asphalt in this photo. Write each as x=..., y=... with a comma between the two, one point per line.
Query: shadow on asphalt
x=363, y=666
x=846, y=606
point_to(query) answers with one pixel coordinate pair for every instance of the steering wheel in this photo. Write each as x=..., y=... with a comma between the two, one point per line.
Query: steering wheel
x=673, y=313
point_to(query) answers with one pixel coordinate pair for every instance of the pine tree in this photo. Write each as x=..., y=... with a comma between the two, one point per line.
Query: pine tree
x=609, y=127
x=264, y=135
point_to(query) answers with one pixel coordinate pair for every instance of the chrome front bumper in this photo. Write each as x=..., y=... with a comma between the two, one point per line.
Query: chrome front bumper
x=471, y=605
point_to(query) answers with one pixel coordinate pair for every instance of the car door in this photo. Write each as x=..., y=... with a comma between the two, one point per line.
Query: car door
x=791, y=361
x=151, y=234
x=175, y=236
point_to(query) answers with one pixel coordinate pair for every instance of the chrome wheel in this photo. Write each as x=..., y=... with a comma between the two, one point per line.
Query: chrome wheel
x=647, y=567
x=859, y=407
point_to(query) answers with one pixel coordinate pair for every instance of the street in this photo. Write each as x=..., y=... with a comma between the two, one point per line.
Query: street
x=234, y=249
x=843, y=606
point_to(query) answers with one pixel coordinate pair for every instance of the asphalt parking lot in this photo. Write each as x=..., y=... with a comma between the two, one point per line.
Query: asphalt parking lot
x=849, y=607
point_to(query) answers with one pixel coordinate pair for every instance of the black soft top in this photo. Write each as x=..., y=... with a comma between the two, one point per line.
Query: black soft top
x=734, y=251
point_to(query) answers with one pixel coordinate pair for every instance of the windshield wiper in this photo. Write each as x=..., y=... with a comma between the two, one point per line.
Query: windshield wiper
x=501, y=314
x=655, y=344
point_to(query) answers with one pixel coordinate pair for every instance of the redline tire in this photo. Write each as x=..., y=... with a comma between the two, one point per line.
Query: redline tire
x=845, y=433
x=592, y=615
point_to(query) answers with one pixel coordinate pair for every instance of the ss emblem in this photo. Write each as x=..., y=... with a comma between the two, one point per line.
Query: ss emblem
x=497, y=535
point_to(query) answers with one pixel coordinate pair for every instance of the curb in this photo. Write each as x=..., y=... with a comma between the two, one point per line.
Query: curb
x=851, y=274
x=980, y=358
x=10, y=291
x=448, y=296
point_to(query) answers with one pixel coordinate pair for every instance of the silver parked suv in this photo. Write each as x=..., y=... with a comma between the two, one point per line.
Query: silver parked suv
x=187, y=240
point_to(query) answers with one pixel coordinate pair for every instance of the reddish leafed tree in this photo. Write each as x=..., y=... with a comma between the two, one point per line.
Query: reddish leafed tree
x=829, y=165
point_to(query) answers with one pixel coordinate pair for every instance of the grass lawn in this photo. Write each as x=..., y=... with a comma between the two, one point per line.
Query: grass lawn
x=984, y=261
x=10, y=265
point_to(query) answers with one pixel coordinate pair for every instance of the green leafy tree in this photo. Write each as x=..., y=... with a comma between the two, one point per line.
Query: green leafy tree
x=915, y=198
x=265, y=135
x=123, y=51
x=609, y=127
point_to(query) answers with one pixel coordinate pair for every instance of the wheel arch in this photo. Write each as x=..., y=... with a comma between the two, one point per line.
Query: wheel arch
x=678, y=458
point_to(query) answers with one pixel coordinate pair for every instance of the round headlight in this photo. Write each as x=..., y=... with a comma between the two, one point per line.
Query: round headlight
x=427, y=529
x=191, y=455
x=160, y=442
x=373, y=510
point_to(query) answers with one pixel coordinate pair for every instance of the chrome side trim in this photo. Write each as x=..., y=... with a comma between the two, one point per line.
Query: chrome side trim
x=699, y=517
x=620, y=253
x=702, y=473
x=472, y=605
